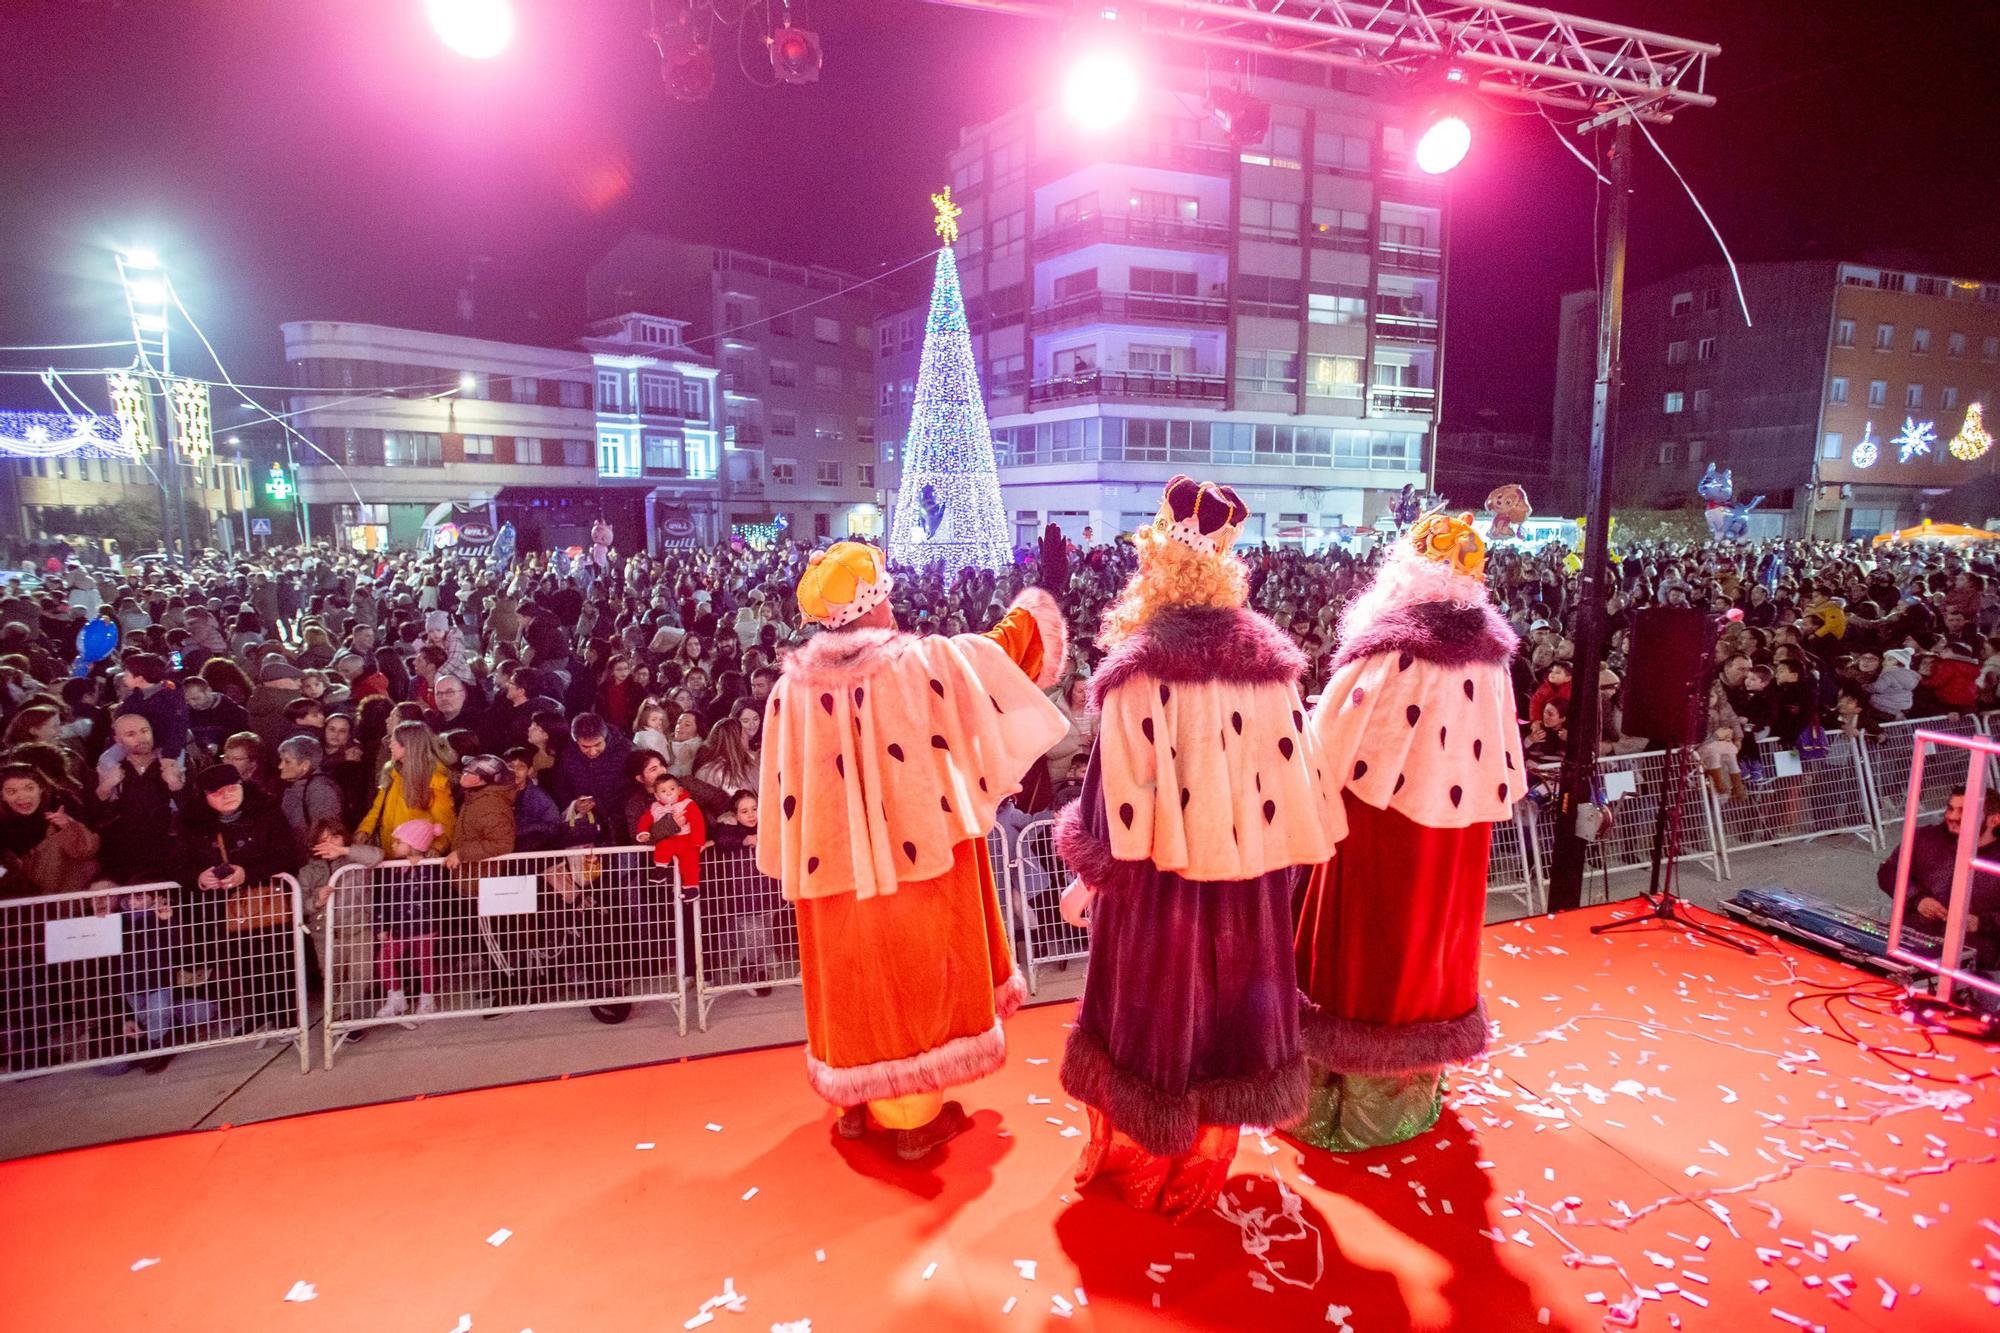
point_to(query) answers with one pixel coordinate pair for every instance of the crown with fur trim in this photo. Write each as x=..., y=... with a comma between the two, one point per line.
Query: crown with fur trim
x=843, y=583
x=1202, y=515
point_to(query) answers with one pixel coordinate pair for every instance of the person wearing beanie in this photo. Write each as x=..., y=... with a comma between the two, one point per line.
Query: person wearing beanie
x=884, y=761
x=277, y=685
x=1198, y=816
x=1893, y=692
x=1422, y=753
x=485, y=818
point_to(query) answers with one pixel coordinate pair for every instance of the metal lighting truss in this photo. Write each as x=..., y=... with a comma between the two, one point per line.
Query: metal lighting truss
x=1514, y=51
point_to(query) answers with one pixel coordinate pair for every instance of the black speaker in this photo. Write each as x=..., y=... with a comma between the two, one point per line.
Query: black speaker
x=1667, y=672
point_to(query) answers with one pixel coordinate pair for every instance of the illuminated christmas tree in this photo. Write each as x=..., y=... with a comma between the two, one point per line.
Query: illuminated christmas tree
x=1973, y=439
x=948, y=511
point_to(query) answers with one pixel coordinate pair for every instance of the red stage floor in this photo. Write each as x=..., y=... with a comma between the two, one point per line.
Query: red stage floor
x=1656, y=1143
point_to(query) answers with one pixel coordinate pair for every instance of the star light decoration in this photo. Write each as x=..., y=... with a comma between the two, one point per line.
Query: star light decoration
x=1915, y=439
x=191, y=421
x=1973, y=439
x=948, y=214
x=128, y=405
x=1867, y=449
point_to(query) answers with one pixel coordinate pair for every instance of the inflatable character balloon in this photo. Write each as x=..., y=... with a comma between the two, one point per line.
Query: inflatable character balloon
x=1510, y=508
x=1727, y=521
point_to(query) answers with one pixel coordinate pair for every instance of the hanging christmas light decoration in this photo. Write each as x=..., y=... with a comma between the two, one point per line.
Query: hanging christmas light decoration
x=128, y=406
x=59, y=434
x=191, y=423
x=1915, y=439
x=1867, y=449
x=1973, y=439
x=948, y=512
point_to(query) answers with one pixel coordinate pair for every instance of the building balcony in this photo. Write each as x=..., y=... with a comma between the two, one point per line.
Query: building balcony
x=1418, y=328
x=1401, y=400
x=1127, y=384
x=1174, y=233
x=1410, y=258
x=743, y=435
x=1132, y=307
x=1211, y=159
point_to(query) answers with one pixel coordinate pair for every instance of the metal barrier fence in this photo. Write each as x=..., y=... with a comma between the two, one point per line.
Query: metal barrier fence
x=1038, y=877
x=143, y=972
x=1512, y=866
x=1797, y=798
x=1888, y=757
x=746, y=935
x=412, y=942
x=1634, y=787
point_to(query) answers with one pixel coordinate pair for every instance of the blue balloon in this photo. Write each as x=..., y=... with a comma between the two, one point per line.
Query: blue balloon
x=96, y=640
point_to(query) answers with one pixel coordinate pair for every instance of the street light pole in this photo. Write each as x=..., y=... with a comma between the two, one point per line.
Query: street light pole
x=146, y=304
x=1579, y=769
x=303, y=514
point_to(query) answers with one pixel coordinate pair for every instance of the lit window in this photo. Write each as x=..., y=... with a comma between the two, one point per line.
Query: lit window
x=1913, y=395
x=1831, y=447
x=1836, y=391
x=1843, y=333
x=1954, y=344
x=1920, y=341
x=1673, y=404
x=1878, y=393
x=1885, y=337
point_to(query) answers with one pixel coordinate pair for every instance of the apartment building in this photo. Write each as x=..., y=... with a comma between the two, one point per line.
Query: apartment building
x=1157, y=300
x=1838, y=404
x=659, y=440
x=403, y=422
x=794, y=346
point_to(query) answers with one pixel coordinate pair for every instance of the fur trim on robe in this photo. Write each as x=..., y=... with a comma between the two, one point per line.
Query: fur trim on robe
x=883, y=751
x=1419, y=714
x=1207, y=766
x=1054, y=631
x=959, y=1060
x=1350, y=1046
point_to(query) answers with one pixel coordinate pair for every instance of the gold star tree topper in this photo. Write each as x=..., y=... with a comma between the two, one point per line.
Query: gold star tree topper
x=948, y=215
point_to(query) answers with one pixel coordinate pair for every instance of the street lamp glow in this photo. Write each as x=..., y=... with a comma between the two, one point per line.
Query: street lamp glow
x=147, y=322
x=476, y=29
x=142, y=257
x=467, y=382
x=1101, y=89
x=149, y=291
x=1443, y=145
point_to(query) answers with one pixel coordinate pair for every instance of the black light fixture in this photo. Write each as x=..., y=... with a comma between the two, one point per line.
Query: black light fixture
x=795, y=56
x=686, y=66
x=1244, y=119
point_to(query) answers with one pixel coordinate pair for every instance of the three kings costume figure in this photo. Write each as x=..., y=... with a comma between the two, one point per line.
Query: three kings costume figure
x=885, y=757
x=1199, y=811
x=1418, y=735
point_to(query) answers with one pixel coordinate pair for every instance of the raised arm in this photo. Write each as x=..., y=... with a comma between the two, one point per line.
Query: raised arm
x=1034, y=634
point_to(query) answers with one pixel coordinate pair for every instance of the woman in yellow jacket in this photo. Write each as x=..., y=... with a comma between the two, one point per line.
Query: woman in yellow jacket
x=415, y=785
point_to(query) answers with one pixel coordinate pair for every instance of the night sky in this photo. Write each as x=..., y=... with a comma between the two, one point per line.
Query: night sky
x=328, y=159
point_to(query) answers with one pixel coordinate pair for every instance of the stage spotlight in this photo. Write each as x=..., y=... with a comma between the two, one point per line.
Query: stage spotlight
x=795, y=54
x=1443, y=145
x=1101, y=89
x=142, y=257
x=1244, y=119
x=686, y=66
x=1443, y=124
x=476, y=29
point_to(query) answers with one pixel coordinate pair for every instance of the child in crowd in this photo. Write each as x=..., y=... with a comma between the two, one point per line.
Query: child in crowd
x=1894, y=690
x=1718, y=761
x=342, y=937
x=407, y=901
x=685, y=745
x=751, y=906
x=650, y=732
x=164, y=990
x=674, y=826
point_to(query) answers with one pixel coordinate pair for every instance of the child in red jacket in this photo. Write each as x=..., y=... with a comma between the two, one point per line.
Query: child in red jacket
x=674, y=826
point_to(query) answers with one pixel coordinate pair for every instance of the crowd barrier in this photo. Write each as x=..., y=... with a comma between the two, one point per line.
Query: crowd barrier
x=109, y=978
x=116, y=977
x=413, y=942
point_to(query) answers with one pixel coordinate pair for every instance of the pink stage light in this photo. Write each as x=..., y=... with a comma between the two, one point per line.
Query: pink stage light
x=476, y=29
x=1101, y=89
x=1443, y=145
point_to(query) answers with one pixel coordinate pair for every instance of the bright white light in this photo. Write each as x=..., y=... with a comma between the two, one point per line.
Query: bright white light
x=149, y=291
x=1443, y=146
x=1101, y=89
x=476, y=29
x=233, y=440
x=146, y=323
x=143, y=257
x=467, y=382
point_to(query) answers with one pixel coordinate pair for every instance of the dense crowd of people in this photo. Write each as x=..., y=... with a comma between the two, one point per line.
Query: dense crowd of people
x=312, y=710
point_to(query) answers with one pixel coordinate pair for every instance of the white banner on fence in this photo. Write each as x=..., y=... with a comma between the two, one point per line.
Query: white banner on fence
x=506, y=895
x=1619, y=782
x=72, y=939
x=1785, y=764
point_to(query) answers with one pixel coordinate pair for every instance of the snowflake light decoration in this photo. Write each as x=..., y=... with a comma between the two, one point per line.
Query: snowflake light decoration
x=1915, y=439
x=1973, y=439
x=1867, y=449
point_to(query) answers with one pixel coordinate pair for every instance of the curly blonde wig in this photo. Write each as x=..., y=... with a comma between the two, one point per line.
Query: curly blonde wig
x=1171, y=575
